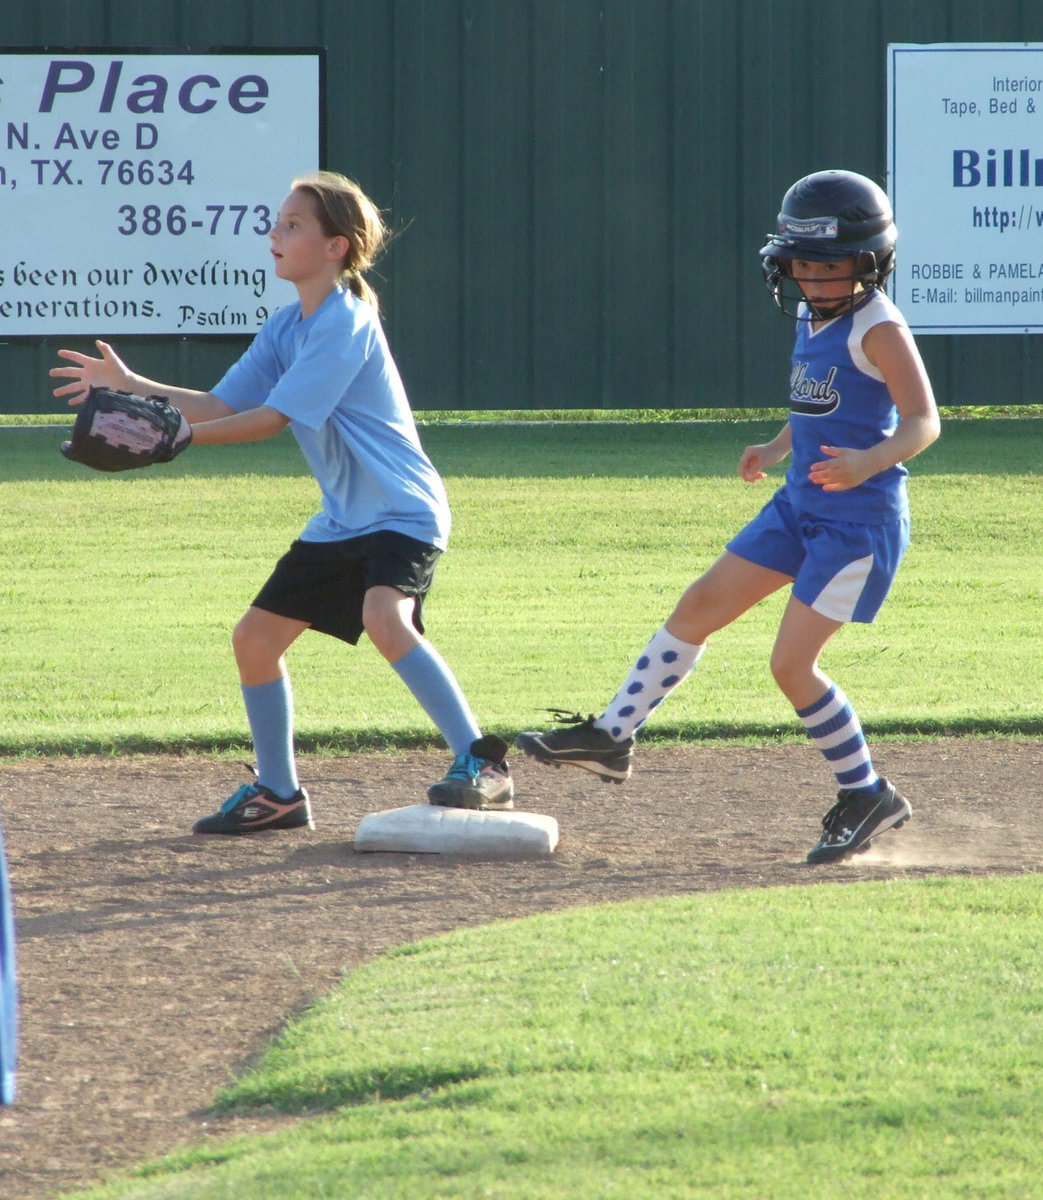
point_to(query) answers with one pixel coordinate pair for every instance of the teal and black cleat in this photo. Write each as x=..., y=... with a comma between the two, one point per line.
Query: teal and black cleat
x=480, y=779
x=253, y=809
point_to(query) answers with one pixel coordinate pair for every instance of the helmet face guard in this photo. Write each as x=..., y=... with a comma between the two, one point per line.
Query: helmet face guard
x=831, y=216
x=785, y=286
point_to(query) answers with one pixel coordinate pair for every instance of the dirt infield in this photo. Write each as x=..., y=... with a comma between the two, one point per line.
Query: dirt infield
x=154, y=966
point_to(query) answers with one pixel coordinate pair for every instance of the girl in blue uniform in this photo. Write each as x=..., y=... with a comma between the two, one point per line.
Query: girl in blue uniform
x=366, y=560
x=834, y=533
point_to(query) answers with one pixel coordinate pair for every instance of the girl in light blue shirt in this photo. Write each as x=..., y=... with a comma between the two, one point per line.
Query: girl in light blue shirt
x=365, y=561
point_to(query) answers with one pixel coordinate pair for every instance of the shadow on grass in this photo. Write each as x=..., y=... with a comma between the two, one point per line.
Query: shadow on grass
x=1006, y=446
x=336, y=743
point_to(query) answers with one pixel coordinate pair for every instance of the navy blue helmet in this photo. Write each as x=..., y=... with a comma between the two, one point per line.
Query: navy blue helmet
x=826, y=217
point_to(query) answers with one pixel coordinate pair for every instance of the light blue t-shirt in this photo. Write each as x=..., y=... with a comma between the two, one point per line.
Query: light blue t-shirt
x=333, y=376
x=838, y=398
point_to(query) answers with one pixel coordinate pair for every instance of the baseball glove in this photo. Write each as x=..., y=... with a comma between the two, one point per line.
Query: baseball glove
x=117, y=431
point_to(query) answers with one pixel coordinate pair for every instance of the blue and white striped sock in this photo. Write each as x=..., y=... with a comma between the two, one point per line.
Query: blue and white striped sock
x=833, y=726
x=665, y=664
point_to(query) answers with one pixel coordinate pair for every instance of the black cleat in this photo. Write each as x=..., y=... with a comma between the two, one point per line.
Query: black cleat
x=857, y=818
x=582, y=744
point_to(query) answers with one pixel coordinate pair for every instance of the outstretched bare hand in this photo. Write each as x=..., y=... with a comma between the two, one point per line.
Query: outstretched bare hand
x=109, y=371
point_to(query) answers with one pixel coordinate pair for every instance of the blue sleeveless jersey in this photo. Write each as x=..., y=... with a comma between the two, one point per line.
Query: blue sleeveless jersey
x=838, y=398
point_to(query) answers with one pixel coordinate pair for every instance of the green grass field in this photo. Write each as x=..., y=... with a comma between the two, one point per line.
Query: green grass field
x=872, y=1040
x=571, y=544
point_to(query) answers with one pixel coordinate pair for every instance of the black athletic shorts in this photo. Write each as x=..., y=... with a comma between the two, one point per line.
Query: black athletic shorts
x=324, y=583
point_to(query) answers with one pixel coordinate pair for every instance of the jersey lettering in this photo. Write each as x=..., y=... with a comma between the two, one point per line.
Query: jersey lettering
x=813, y=397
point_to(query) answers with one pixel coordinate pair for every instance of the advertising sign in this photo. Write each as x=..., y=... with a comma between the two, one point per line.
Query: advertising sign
x=137, y=189
x=965, y=154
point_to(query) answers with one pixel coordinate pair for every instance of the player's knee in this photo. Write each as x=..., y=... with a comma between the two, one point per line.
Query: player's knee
x=386, y=618
x=380, y=620
x=250, y=643
x=242, y=640
x=785, y=670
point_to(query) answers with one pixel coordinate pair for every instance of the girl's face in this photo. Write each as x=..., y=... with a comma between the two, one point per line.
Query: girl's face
x=301, y=250
x=828, y=287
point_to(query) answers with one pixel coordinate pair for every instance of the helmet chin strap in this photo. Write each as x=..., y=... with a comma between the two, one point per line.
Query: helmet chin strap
x=849, y=303
x=821, y=312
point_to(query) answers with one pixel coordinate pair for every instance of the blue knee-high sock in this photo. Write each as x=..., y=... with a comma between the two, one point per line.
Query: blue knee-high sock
x=833, y=725
x=428, y=677
x=269, y=709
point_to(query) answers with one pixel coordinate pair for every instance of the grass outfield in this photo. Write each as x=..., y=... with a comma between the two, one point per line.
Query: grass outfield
x=873, y=1040
x=571, y=544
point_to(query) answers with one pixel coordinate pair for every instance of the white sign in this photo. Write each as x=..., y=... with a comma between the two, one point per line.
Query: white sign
x=965, y=153
x=137, y=189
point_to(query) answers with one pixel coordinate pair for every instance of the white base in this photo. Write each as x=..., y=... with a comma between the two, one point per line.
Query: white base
x=430, y=829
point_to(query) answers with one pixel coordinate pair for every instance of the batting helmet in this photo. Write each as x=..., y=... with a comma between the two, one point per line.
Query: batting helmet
x=826, y=217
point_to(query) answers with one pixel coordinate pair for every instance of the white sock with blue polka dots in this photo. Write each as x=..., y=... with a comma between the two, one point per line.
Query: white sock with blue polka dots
x=665, y=664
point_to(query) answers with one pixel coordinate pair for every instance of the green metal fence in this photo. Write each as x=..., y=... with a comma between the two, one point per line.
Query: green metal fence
x=579, y=187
